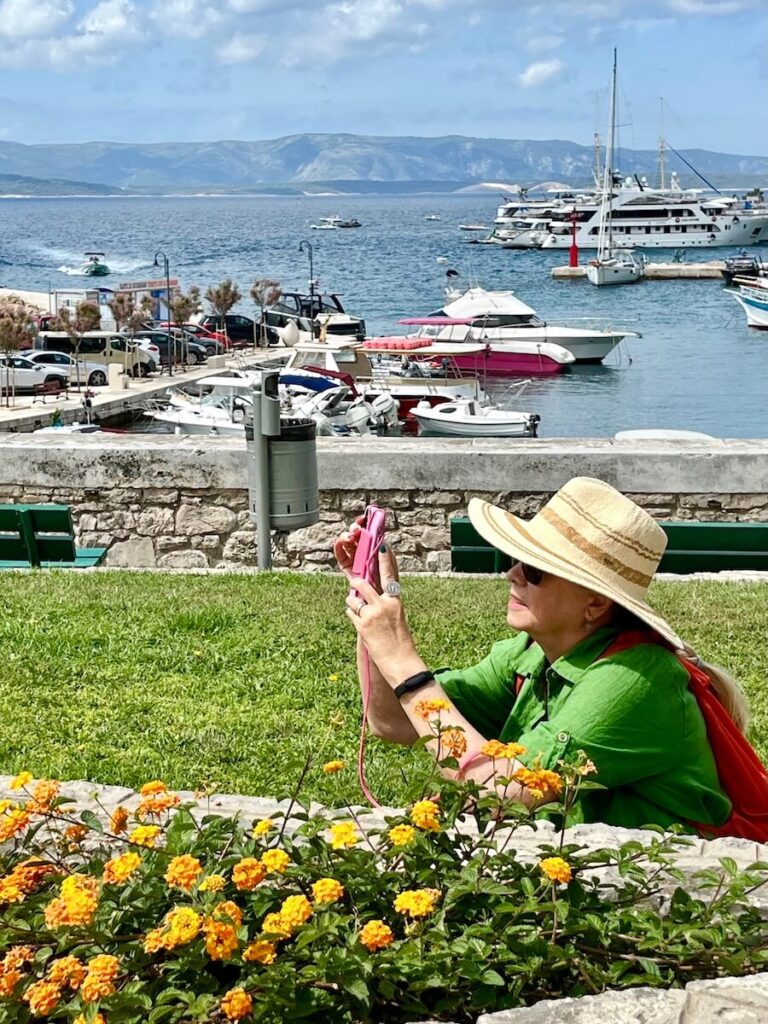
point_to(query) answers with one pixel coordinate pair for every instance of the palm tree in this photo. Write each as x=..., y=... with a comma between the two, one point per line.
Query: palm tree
x=184, y=307
x=222, y=298
x=17, y=331
x=264, y=292
x=86, y=317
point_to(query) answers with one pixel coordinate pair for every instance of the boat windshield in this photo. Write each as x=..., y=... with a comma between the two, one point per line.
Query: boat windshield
x=508, y=320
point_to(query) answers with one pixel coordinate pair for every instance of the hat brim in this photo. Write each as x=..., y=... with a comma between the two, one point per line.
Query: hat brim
x=518, y=539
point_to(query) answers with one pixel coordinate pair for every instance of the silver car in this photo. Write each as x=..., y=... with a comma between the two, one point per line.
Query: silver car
x=92, y=374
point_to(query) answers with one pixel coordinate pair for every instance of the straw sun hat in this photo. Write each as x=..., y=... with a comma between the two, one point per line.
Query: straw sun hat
x=590, y=534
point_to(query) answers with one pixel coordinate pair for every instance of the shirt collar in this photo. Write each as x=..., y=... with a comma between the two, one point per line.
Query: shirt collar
x=574, y=663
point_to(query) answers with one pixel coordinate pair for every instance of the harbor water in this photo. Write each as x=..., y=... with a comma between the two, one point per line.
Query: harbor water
x=696, y=367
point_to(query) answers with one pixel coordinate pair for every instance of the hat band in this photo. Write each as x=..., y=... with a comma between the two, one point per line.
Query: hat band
x=626, y=572
x=622, y=538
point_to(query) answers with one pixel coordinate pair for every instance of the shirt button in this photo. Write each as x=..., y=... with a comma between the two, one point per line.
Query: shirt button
x=563, y=737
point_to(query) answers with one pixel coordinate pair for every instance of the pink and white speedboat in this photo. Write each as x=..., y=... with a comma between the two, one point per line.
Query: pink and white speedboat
x=511, y=359
x=507, y=324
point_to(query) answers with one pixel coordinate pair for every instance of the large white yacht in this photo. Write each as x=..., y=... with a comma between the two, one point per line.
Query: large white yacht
x=644, y=218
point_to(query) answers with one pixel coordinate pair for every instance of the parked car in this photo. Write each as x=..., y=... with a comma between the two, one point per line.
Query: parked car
x=92, y=374
x=23, y=374
x=202, y=335
x=103, y=347
x=184, y=351
x=239, y=329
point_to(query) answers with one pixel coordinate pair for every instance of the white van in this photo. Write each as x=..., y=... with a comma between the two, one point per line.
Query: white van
x=103, y=347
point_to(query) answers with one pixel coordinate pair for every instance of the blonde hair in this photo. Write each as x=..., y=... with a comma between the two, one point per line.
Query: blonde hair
x=728, y=691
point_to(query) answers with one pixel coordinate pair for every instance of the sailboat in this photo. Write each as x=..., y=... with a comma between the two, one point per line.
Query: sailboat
x=613, y=265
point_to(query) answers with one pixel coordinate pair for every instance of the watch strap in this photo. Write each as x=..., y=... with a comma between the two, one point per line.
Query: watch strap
x=414, y=682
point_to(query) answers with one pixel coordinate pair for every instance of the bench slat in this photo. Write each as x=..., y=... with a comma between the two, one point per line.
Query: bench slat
x=693, y=547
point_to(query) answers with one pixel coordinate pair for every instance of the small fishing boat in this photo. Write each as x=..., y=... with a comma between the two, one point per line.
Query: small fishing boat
x=470, y=418
x=94, y=265
x=744, y=266
x=752, y=296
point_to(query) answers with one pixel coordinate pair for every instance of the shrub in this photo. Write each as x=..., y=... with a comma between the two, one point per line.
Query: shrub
x=169, y=914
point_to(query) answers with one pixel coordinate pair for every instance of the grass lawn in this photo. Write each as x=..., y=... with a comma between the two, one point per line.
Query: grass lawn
x=120, y=677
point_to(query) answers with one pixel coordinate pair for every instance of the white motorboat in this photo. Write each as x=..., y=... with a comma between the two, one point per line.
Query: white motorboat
x=474, y=419
x=326, y=224
x=432, y=216
x=511, y=329
x=368, y=368
x=613, y=265
x=473, y=227
x=223, y=407
x=752, y=296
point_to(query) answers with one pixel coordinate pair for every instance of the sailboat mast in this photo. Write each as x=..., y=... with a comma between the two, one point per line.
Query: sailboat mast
x=603, y=249
x=662, y=148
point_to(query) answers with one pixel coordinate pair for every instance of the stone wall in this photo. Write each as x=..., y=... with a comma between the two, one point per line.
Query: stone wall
x=183, y=502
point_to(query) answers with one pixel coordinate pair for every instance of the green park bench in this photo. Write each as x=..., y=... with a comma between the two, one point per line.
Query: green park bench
x=42, y=536
x=692, y=547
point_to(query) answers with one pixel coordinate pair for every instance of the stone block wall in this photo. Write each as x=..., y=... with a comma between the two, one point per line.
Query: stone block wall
x=183, y=503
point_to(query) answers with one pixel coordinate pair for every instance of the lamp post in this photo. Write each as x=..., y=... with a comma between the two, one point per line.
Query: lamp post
x=171, y=345
x=308, y=245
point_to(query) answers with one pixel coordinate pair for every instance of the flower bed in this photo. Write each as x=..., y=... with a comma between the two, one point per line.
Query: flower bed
x=167, y=913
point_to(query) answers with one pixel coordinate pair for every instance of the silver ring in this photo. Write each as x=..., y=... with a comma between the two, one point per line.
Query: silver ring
x=393, y=588
x=360, y=605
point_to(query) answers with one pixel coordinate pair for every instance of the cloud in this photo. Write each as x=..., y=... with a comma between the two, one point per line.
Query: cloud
x=539, y=72
x=185, y=19
x=242, y=48
x=20, y=19
x=710, y=6
x=539, y=44
x=342, y=25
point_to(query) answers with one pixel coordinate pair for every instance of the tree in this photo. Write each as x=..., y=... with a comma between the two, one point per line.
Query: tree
x=17, y=331
x=128, y=315
x=86, y=317
x=222, y=298
x=264, y=292
x=184, y=307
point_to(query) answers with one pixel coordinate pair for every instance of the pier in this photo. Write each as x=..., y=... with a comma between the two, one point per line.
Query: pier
x=30, y=412
x=657, y=271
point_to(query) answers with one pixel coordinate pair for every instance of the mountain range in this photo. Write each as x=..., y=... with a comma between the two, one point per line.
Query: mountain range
x=349, y=163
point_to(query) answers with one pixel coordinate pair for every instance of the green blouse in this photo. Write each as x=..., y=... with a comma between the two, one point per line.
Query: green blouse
x=632, y=713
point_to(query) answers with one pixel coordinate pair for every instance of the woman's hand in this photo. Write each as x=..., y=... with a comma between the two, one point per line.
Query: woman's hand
x=345, y=546
x=380, y=621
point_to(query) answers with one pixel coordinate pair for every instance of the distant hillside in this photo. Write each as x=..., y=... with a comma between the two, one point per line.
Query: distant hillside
x=303, y=161
x=18, y=185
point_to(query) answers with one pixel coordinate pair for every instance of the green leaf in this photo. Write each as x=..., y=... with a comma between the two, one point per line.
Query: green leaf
x=92, y=821
x=491, y=977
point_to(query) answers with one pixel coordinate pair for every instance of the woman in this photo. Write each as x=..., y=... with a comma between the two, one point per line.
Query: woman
x=582, y=567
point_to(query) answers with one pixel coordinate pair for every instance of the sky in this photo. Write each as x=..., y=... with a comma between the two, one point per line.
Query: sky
x=204, y=70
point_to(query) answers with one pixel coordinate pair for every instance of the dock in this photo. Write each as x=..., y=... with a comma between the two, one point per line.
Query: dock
x=657, y=271
x=29, y=412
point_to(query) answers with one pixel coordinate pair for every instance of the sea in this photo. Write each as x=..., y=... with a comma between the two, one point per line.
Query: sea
x=696, y=366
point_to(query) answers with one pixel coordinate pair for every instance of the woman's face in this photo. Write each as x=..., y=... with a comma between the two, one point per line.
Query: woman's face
x=553, y=607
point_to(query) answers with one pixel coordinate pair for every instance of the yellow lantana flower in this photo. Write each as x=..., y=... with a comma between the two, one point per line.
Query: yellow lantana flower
x=556, y=869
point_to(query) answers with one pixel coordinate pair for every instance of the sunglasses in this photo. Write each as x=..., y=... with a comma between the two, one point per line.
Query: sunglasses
x=530, y=573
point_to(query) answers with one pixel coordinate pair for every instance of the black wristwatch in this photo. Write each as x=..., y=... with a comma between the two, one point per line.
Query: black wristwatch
x=414, y=682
